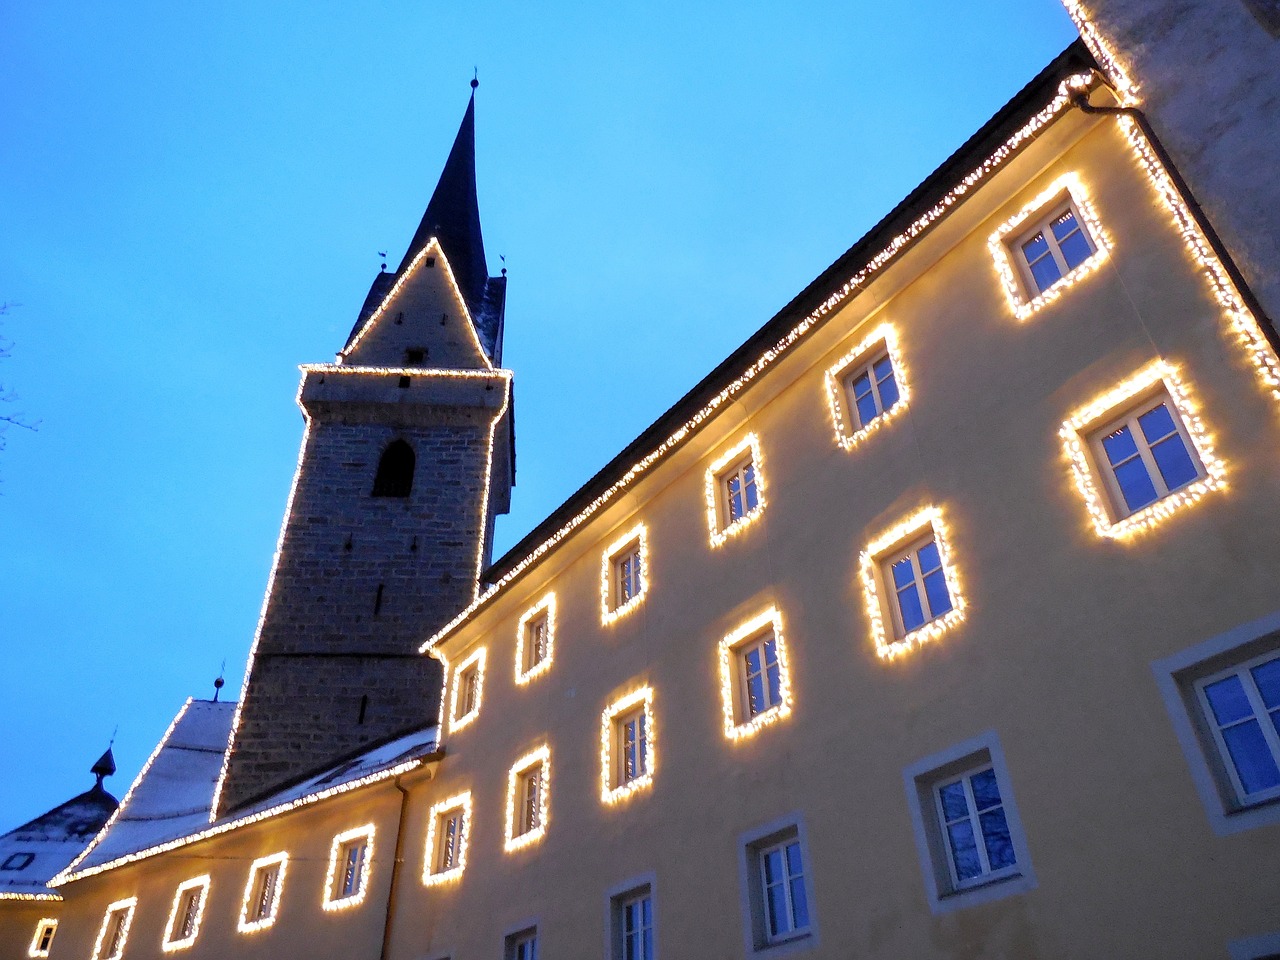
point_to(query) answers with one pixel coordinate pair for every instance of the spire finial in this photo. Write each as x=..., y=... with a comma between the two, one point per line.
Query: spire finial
x=106, y=764
x=221, y=681
x=475, y=77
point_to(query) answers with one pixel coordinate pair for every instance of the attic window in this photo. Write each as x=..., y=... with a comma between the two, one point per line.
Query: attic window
x=431, y=261
x=17, y=861
x=415, y=355
x=395, y=471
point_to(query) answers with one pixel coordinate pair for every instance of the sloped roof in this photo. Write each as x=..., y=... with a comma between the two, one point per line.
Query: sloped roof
x=38, y=850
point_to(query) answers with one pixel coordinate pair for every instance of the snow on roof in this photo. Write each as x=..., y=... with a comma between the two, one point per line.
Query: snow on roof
x=169, y=804
x=35, y=851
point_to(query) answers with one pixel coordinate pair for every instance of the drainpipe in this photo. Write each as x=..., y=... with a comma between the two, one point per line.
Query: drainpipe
x=396, y=864
x=1268, y=325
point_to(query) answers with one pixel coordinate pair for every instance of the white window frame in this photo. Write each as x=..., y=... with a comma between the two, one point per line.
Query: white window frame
x=633, y=543
x=521, y=831
x=39, y=946
x=615, y=785
x=468, y=682
x=867, y=367
x=1261, y=713
x=335, y=897
x=739, y=721
x=541, y=613
x=117, y=917
x=514, y=942
x=439, y=817
x=616, y=900
x=850, y=431
x=721, y=523
x=1023, y=293
x=752, y=847
x=910, y=551
x=1179, y=678
x=922, y=781
x=1082, y=433
x=988, y=874
x=175, y=937
x=251, y=919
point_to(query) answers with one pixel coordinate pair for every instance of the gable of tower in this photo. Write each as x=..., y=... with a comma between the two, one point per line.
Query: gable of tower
x=422, y=321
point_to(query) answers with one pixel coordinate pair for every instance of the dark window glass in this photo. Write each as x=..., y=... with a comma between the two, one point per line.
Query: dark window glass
x=395, y=471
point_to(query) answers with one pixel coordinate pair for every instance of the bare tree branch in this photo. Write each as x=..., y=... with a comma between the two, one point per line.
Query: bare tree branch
x=7, y=395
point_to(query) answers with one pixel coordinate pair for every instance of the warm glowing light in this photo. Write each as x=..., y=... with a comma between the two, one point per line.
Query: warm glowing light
x=30, y=896
x=876, y=590
x=258, y=869
x=1242, y=322
x=434, y=249
x=838, y=395
x=610, y=610
x=425, y=373
x=333, y=897
x=45, y=930
x=1061, y=102
x=613, y=786
x=440, y=812
x=746, y=449
x=1003, y=252
x=174, y=938
x=737, y=725
x=1075, y=439
x=540, y=757
x=482, y=538
x=1101, y=50
x=471, y=667
x=544, y=607
x=120, y=907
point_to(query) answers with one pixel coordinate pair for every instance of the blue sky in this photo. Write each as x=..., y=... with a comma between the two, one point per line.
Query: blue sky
x=193, y=199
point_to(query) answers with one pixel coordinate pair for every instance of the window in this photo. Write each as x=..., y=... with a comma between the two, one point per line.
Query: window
x=348, y=877
x=535, y=637
x=528, y=790
x=43, y=938
x=114, y=932
x=185, y=915
x=754, y=679
x=911, y=587
x=1139, y=451
x=865, y=388
x=468, y=684
x=623, y=576
x=523, y=945
x=447, y=831
x=626, y=745
x=970, y=840
x=1047, y=246
x=778, y=893
x=1223, y=696
x=395, y=469
x=735, y=489
x=261, y=901
x=17, y=861
x=631, y=924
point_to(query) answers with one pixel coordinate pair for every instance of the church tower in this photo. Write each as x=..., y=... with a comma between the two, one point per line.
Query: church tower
x=406, y=459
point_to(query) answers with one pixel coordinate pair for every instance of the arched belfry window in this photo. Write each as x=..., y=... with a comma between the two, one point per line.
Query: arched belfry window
x=395, y=471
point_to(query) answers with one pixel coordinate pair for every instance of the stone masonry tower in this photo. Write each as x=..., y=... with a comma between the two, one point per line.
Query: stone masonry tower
x=406, y=460
x=1207, y=74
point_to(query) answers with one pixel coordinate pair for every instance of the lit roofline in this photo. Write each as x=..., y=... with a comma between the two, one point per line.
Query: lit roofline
x=69, y=875
x=1061, y=102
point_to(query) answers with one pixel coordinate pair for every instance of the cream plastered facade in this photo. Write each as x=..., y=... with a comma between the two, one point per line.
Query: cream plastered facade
x=1049, y=664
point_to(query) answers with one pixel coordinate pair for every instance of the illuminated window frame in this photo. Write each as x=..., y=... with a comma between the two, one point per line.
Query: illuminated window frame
x=879, y=595
x=610, y=611
x=256, y=869
x=40, y=944
x=746, y=450
x=546, y=607
x=732, y=681
x=1066, y=191
x=431, y=875
x=612, y=787
x=1078, y=430
x=848, y=433
x=121, y=908
x=476, y=662
x=173, y=939
x=333, y=901
x=540, y=757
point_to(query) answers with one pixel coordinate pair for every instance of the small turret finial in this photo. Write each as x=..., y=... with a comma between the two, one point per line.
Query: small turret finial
x=220, y=682
x=475, y=78
x=105, y=765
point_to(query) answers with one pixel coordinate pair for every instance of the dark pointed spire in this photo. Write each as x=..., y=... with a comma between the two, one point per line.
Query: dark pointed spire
x=104, y=767
x=453, y=215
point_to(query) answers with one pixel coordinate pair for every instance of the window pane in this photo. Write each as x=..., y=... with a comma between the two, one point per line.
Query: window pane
x=866, y=409
x=1228, y=700
x=799, y=904
x=1064, y=225
x=930, y=559
x=954, y=804
x=1252, y=757
x=1120, y=446
x=964, y=851
x=1176, y=466
x=749, y=482
x=755, y=694
x=903, y=573
x=774, y=676
x=995, y=834
x=1135, y=484
x=986, y=792
x=1035, y=248
x=1267, y=677
x=888, y=390
x=1075, y=249
x=935, y=589
x=909, y=607
x=1157, y=423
